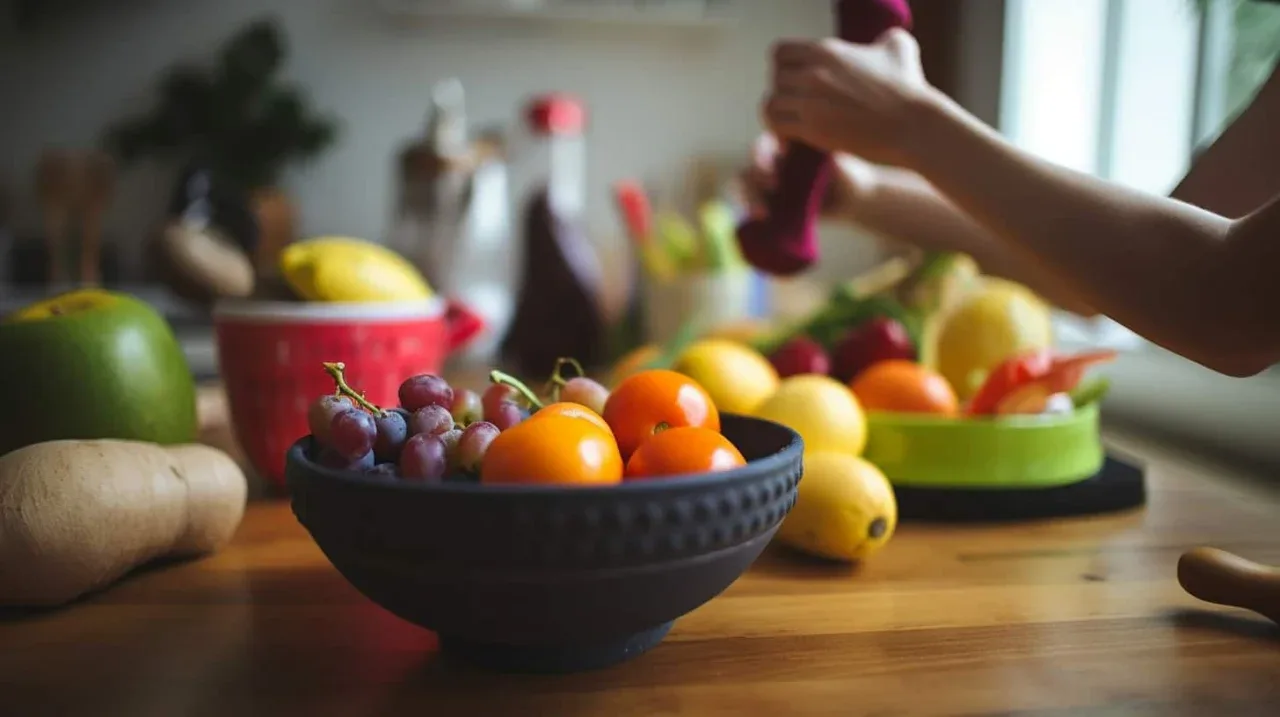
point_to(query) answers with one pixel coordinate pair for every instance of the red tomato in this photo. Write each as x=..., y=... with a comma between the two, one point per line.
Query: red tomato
x=678, y=451
x=654, y=400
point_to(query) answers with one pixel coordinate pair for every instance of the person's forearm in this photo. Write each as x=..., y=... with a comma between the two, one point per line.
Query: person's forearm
x=1240, y=171
x=902, y=206
x=1149, y=262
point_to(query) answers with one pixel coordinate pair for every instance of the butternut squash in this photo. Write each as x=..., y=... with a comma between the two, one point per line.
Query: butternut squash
x=77, y=515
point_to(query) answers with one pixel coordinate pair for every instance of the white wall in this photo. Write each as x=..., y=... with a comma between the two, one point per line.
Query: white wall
x=656, y=96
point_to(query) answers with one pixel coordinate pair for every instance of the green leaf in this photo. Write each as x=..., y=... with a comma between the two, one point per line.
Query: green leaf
x=1090, y=391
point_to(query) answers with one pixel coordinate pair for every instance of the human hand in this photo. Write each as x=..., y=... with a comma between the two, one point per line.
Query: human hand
x=852, y=179
x=843, y=97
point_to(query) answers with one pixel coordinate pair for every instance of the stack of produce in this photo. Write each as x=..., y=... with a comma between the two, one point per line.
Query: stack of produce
x=99, y=471
x=937, y=339
x=657, y=423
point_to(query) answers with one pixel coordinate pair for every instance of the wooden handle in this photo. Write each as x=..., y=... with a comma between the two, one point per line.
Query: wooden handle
x=1223, y=578
x=98, y=189
x=55, y=186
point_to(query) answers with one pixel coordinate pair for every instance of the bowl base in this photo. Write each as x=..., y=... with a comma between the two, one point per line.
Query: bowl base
x=553, y=659
x=1120, y=485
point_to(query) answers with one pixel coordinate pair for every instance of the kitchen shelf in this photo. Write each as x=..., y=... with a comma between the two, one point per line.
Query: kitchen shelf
x=713, y=14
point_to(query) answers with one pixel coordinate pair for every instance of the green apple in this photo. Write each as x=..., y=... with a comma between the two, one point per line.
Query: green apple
x=93, y=364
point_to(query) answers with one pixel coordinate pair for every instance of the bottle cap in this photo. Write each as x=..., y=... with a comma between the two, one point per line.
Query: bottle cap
x=556, y=114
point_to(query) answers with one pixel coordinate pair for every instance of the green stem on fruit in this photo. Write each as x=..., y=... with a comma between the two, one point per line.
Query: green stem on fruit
x=335, y=370
x=557, y=381
x=507, y=379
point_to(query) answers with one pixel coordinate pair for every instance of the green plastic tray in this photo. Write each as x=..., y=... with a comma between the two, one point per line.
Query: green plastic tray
x=1007, y=452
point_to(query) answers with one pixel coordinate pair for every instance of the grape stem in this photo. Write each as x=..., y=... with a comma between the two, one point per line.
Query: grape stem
x=344, y=389
x=557, y=381
x=500, y=377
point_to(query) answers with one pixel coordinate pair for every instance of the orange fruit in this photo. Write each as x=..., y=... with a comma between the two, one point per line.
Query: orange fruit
x=653, y=401
x=573, y=410
x=904, y=386
x=687, y=449
x=553, y=449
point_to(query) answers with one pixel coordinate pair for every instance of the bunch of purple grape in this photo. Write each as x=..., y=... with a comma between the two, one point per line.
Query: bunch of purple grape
x=436, y=433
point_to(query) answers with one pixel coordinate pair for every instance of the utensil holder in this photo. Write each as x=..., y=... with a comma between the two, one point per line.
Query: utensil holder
x=712, y=298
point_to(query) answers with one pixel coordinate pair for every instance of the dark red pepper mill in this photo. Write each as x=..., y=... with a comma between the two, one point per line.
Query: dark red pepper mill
x=784, y=241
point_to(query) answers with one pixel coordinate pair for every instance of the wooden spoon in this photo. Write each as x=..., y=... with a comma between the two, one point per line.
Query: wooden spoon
x=56, y=188
x=1223, y=578
x=98, y=175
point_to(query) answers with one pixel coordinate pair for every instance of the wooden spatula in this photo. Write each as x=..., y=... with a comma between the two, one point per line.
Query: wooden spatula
x=97, y=188
x=56, y=189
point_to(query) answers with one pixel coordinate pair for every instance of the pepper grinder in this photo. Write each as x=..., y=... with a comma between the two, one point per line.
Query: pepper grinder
x=435, y=183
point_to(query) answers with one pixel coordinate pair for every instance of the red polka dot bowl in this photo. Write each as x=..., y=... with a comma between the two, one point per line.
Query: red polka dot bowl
x=270, y=355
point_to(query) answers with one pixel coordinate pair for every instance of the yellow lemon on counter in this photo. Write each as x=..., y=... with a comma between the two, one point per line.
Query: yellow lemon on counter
x=998, y=320
x=845, y=509
x=341, y=269
x=737, y=377
x=822, y=410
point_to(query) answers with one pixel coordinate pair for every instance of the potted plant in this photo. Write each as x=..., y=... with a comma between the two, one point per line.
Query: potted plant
x=234, y=127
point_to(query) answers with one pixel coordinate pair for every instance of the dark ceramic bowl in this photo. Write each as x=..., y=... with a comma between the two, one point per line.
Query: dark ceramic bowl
x=551, y=578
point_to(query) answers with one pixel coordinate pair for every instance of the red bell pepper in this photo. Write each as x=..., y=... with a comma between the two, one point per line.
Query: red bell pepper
x=1054, y=374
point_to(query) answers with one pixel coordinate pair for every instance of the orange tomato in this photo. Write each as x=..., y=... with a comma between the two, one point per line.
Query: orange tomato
x=653, y=400
x=573, y=410
x=552, y=449
x=904, y=386
x=677, y=451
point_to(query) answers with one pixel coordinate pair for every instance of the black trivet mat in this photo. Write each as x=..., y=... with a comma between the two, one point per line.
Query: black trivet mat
x=1120, y=485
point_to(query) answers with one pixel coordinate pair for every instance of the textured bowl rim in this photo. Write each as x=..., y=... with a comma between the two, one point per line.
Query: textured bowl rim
x=773, y=462
x=288, y=312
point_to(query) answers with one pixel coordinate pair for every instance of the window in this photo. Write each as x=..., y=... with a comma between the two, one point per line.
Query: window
x=1241, y=46
x=1127, y=89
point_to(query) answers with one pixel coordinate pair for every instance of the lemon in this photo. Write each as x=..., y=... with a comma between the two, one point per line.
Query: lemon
x=996, y=321
x=341, y=269
x=822, y=410
x=737, y=377
x=845, y=509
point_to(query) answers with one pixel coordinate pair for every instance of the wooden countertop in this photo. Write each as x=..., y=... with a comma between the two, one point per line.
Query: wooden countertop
x=1080, y=617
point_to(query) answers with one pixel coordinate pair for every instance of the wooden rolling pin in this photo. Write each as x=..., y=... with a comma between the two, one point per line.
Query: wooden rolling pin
x=1223, y=578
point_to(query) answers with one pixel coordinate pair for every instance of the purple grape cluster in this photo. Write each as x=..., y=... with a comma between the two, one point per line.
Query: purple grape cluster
x=437, y=433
